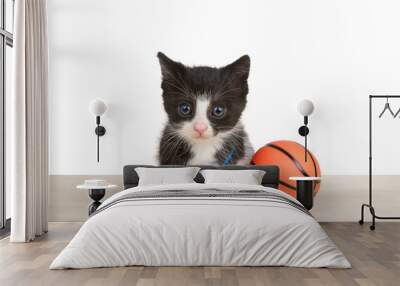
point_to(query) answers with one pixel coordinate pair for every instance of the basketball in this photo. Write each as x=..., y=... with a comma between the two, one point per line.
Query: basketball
x=289, y=156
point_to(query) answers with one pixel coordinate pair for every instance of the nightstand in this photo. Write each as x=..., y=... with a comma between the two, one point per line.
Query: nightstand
x=96, y=193
x=305, y=189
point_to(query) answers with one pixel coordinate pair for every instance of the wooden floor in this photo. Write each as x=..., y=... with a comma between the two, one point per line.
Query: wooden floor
x=375, y=257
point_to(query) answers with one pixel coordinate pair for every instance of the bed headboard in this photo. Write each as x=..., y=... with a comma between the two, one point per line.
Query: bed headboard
x=270, y=179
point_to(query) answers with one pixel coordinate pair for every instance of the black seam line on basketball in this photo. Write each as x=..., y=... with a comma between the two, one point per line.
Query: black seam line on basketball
x=315, y=165
x=287, y=185
x=312, y=158
x=316, y=183
x=298, y=165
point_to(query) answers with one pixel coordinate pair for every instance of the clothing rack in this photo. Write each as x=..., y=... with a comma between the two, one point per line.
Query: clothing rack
x=370, y=203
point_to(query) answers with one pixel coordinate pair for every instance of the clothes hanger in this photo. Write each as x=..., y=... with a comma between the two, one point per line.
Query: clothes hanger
x=387, y=107
x=397, y=113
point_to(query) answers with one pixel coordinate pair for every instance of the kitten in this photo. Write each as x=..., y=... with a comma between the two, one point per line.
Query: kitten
x=204, y=105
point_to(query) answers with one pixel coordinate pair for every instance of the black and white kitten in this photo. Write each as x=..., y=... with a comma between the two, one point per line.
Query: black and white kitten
x=204, y=106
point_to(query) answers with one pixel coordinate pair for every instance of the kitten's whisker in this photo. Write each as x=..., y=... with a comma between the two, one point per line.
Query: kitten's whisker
x=179, y=80
x=177, y=87
x=227, y=91
x=226, y=83
x=181, y=84
x=171, y=148
x=172, y=143
x=177, y=93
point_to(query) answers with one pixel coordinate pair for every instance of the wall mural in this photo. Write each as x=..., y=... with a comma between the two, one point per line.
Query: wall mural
x=204, y=105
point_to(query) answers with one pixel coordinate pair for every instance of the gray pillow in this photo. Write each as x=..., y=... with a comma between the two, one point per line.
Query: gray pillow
x=248, y=177
x=163, y=176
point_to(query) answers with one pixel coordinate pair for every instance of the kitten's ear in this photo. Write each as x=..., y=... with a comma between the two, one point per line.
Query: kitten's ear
x=240, y=67
x=169, y=68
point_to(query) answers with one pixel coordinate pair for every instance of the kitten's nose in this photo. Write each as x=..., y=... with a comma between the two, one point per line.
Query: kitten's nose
x=200, y=127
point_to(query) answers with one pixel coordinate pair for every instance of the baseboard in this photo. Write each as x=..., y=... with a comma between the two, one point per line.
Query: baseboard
x=339, y=199
x=68, y=204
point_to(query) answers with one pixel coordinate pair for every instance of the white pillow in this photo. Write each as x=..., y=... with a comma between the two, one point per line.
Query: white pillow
x=248, y=177
x=163, y=176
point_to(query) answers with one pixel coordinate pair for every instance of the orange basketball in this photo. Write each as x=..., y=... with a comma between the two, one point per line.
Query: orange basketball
x=289, y=156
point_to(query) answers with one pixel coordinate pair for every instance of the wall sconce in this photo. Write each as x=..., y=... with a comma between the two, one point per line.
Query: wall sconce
x=305, y=108
x=97, y=107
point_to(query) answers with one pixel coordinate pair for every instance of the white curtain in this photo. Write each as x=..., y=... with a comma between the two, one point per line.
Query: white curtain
x=28, y=122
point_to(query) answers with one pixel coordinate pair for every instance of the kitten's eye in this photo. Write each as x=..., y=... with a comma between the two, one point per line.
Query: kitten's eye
x=184, y=109
x=218, y=111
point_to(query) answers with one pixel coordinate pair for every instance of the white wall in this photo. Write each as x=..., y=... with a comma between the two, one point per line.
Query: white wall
x=333, y=52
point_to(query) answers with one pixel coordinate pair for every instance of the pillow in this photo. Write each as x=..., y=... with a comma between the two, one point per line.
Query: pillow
x=163, y=176
x=248, y=177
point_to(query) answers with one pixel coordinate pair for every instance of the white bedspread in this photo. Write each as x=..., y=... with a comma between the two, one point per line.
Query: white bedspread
x=200, y=231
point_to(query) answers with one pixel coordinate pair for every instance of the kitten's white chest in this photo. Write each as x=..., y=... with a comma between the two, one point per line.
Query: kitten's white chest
x=204, y=153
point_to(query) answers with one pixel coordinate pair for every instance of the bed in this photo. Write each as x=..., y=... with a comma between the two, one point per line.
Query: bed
x=198, y=224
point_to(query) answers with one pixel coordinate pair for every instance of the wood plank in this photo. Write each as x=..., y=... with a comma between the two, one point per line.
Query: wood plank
x=375, y=257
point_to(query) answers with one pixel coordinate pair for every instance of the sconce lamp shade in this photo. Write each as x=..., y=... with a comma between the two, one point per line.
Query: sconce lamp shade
x=97, y=107
x=305, y=107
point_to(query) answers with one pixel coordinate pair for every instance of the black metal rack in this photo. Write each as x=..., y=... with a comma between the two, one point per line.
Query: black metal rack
x=369, y=205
